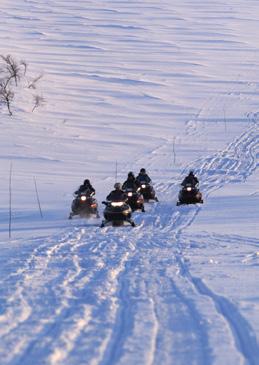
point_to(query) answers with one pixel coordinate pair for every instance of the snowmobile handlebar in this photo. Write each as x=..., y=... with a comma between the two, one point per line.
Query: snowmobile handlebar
x=189, y=184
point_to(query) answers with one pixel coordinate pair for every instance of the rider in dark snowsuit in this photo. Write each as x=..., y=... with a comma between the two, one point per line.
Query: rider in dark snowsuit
x=130, y=183
x=143, y=177
x=190, y=179
x=86, y=187
x=117, y=194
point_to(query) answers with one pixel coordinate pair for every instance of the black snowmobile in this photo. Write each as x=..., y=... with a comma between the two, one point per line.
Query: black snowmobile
x=117, y=213
x=189, y=194
x=147, y=191
x=84, y=205
x=135, y=199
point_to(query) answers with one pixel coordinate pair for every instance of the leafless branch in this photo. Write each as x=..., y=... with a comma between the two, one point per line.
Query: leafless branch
x=12, y=68
x=38, y=101
x=32, y=84
x=12, y=73
x=6, y=95
x=25, y=66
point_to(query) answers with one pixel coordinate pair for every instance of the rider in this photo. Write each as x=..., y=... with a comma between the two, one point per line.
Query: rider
x=130, y=183
x=86, y=187
x=190, y=179
x=143, y=177
x=118, y=194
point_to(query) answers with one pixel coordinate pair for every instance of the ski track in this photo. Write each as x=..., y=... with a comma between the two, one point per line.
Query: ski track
x=243, y=334
x=234, y=164
x=196, y=127
x=97, y=295
x=229, y=168
x=144, y=286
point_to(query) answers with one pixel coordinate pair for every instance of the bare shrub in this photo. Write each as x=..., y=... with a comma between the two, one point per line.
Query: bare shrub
x=13, y=73
x=32, y=84
x=38, y=101
x=12, y=68
x=6, y=95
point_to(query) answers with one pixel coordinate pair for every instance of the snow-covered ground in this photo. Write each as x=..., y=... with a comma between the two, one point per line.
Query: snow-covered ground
x=166, y=85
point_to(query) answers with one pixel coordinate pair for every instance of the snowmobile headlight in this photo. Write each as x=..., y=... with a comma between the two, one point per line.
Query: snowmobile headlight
x=83, y=198
x=143, y=186
x=189, y=188
x=117, y=204
x=130, y=193
x=126, y=212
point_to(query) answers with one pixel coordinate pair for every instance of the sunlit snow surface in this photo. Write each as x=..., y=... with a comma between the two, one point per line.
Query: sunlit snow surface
x=165, y=85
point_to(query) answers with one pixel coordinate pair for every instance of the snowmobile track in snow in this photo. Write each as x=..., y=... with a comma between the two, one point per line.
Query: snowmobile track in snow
x=105, y=288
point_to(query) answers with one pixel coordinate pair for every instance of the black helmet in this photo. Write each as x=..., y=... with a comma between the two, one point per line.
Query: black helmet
x=117, y=186
x=142, y=171
x=191, y=173
x=87, y=182
x=130, y=174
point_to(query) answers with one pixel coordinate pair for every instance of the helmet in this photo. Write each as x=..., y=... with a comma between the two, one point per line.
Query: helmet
x=191, y=173
x=130, y=174
x=143, y=171
x=117, y=186
x=87, y=182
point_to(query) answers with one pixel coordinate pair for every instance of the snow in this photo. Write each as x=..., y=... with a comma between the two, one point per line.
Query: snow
x=169, y=86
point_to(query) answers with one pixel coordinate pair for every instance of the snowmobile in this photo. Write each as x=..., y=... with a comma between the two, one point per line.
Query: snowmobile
x=135, y=200
x=84, y=205
x=147, y=191
x=189, y=194
x=117, y=213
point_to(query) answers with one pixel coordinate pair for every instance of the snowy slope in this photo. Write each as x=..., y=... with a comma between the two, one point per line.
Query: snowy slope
x=166, y=85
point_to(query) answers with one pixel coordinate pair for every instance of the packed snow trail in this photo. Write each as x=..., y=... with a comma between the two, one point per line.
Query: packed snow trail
x=126, y=296
x=243, y=333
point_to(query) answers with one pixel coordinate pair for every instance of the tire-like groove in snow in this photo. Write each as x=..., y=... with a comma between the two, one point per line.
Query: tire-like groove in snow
x=243, y=333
